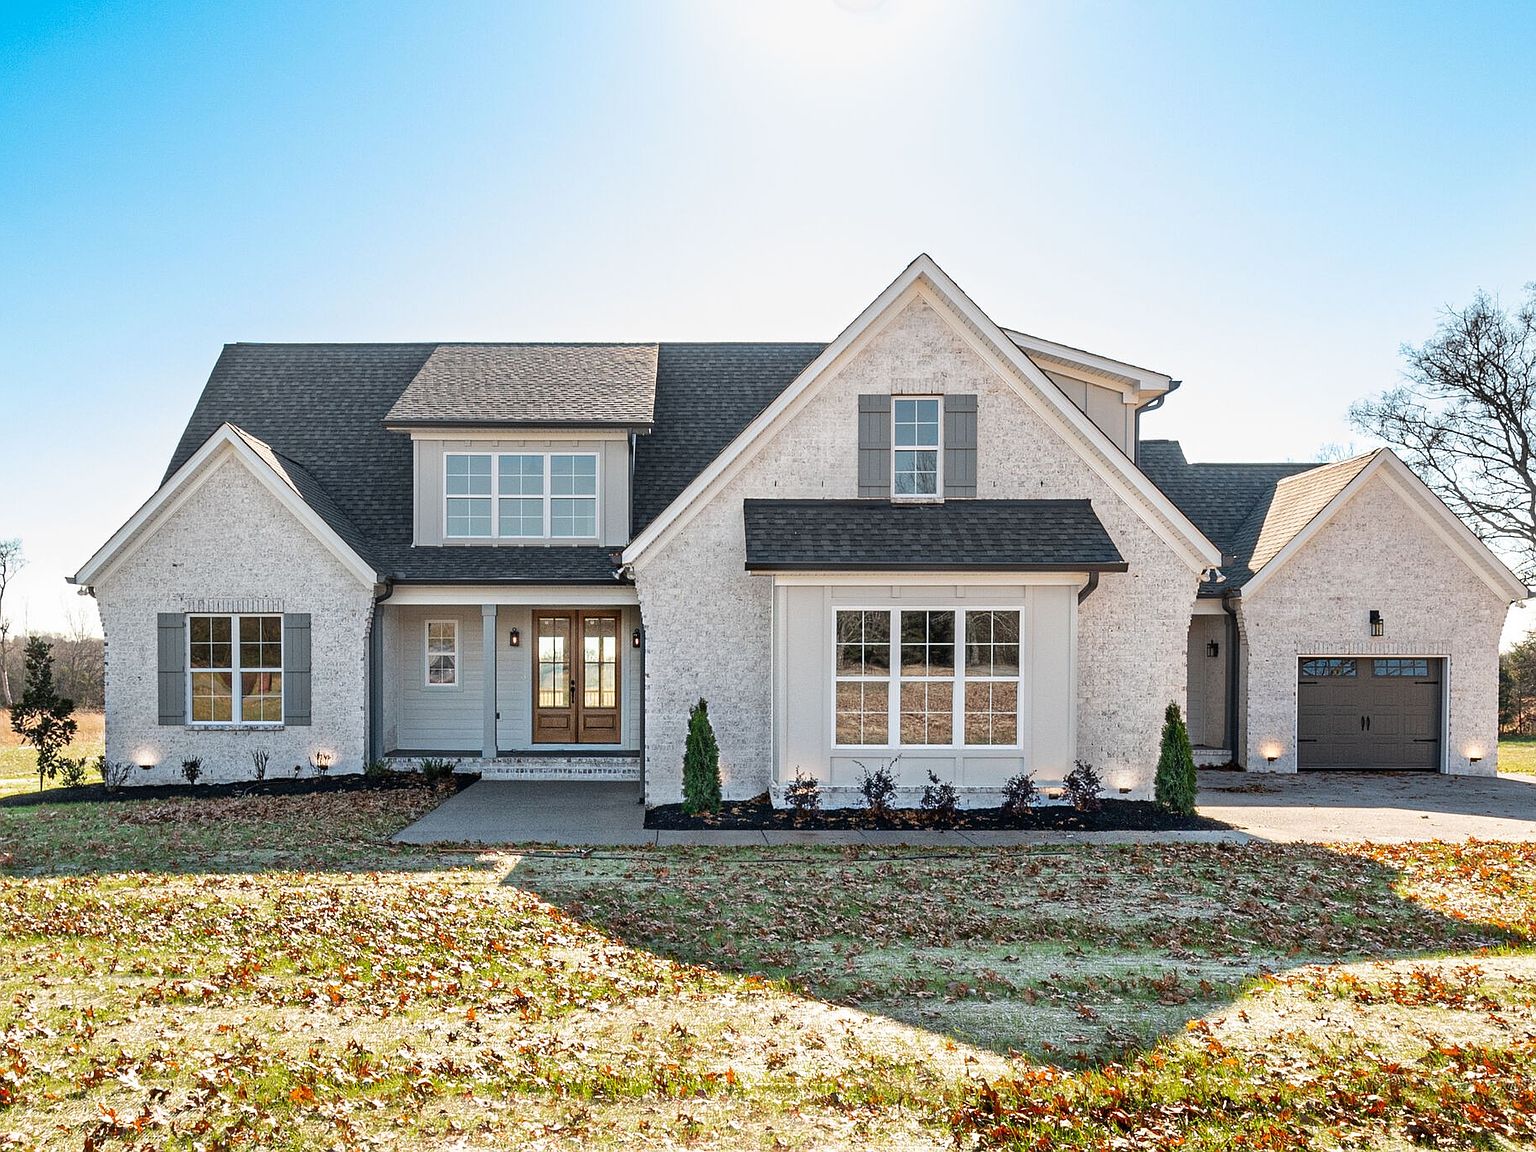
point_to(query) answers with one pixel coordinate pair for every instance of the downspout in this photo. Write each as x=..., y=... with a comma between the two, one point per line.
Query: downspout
x=1229, y=606
x=1151, y=405
x=375, y=675
x=1089, y=588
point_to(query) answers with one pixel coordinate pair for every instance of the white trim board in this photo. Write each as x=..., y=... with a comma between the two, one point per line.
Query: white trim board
x=1449, y=527
x=923, y=279
x=188, y=480
x=535, y=595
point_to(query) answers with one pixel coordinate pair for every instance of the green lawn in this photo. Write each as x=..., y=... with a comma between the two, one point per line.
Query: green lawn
x=18, y=764
x=1517, y=754
x=268, y=973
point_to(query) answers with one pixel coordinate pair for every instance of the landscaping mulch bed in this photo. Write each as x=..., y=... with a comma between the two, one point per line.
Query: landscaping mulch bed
x=281, y=786
x=1110, y=816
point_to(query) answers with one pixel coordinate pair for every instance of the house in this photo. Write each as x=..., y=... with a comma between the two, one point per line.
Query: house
x=933, y=538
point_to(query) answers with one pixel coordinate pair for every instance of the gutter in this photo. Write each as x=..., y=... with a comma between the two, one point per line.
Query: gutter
x=375, y=675
x=1229, y=606
x=1151, y=405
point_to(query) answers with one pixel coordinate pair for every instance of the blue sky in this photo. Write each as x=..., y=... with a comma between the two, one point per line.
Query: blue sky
x=1263, y=200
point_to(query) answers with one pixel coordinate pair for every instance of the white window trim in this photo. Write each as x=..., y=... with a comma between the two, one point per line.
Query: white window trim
x=959, y=679
x=938, y=450
x=546, y=498
x=237, y=700
x=427, y=654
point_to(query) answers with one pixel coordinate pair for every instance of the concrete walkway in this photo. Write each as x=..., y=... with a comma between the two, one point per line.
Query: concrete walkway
x=1379, y=806
x=596, y=813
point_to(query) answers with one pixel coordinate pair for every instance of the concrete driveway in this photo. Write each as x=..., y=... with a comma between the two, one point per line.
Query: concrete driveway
x=1379, y=806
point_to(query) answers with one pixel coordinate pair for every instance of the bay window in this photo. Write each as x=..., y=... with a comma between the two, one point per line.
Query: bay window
x=520, y=495
x=236, y=665
x=914, y=678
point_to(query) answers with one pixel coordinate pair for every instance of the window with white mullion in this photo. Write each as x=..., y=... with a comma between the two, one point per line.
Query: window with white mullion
x=236, y=666
x=915, y=678
x=519, y=495
x=917, y=434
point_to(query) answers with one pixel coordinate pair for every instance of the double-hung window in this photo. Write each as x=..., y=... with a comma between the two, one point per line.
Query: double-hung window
x=236, y=665
x=442, y=653
x=520, y=495
x=919, y=677
x=915, y=446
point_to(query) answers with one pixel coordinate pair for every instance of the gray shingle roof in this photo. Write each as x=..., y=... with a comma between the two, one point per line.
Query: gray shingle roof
x=1250, y=511
x=320, y=412
x=705, y=395
x=977, y=535
x=532, y=384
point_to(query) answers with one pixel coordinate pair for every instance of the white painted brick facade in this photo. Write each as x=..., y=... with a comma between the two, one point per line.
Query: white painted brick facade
x=708, y=621
x=233, y=541
x=1376, y=552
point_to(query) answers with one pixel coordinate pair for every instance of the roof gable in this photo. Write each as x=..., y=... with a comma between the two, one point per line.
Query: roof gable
x=923, y=279
x=288, y=483
x=1311, y=499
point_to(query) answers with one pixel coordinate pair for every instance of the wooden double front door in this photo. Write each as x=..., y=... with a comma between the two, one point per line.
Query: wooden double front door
x=575, y=677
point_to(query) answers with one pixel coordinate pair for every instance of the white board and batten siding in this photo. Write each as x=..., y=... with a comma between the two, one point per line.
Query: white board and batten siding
x=803, y=696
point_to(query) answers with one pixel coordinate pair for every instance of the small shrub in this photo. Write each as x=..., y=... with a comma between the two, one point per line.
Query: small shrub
x=72, y=771
x=701, y=763
x=804, y=795
x=191, y=770
x=878, y=787
x=1020, y=793
x=1174, y=788
x=321, y=762
x=942, y=799
x=114, y=774
x=376, y=768
x=1083, y=787
x=259, y=761
x=434, y=769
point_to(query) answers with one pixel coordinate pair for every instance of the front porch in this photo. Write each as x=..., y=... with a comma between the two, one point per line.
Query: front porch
x=517, y=683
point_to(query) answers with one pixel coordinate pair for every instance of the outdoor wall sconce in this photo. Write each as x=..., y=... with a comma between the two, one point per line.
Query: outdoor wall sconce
x=634, y=638
x=1378, y=625
x=1270, y=752
x=1212, y=648
x=1474, y=755
x=515, y=638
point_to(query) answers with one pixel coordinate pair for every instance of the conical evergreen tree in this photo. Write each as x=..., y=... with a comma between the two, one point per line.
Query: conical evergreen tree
x=701, y=764
x=1175, y=785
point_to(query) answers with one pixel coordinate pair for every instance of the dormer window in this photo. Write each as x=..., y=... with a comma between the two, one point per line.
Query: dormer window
x=915, y=445
x=520, y=495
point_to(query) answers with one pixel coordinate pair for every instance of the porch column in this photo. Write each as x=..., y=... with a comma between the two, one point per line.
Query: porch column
x=488, y=647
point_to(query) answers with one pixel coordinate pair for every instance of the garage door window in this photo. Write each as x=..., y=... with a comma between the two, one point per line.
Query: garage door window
x=1316, y=669
x=1417, y=669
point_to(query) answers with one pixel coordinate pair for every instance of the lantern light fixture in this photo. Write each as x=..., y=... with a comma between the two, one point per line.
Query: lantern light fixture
x=515, y=638
x=1378, y=625
x=634, y=638
x=1212, y=648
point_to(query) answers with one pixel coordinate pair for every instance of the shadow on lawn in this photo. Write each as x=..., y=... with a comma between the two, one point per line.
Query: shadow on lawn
x=1074, y=956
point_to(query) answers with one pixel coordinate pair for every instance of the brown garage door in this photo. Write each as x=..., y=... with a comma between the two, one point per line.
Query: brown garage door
x=1369, y=712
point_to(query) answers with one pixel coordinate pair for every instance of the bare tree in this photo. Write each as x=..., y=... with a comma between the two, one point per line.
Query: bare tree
x=11, y=562
x=1463, y=421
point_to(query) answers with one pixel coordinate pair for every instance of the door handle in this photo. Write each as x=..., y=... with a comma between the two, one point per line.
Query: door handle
x=573, y=686
x=1367, y=723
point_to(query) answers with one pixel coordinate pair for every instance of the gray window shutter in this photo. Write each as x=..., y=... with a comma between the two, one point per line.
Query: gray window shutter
x=296, y=668
x=171, y=665
x=960, y=446
x=875, y=447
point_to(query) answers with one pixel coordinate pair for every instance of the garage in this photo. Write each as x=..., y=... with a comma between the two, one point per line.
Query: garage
x=1357, y=712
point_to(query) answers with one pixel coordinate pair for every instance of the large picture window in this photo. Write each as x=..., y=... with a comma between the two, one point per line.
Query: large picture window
x=236, y=665
x=954, y=679
x=520, y=495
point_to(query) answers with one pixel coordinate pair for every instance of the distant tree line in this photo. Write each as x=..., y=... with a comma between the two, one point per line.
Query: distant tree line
x=79, y=667
x=1517, y=689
